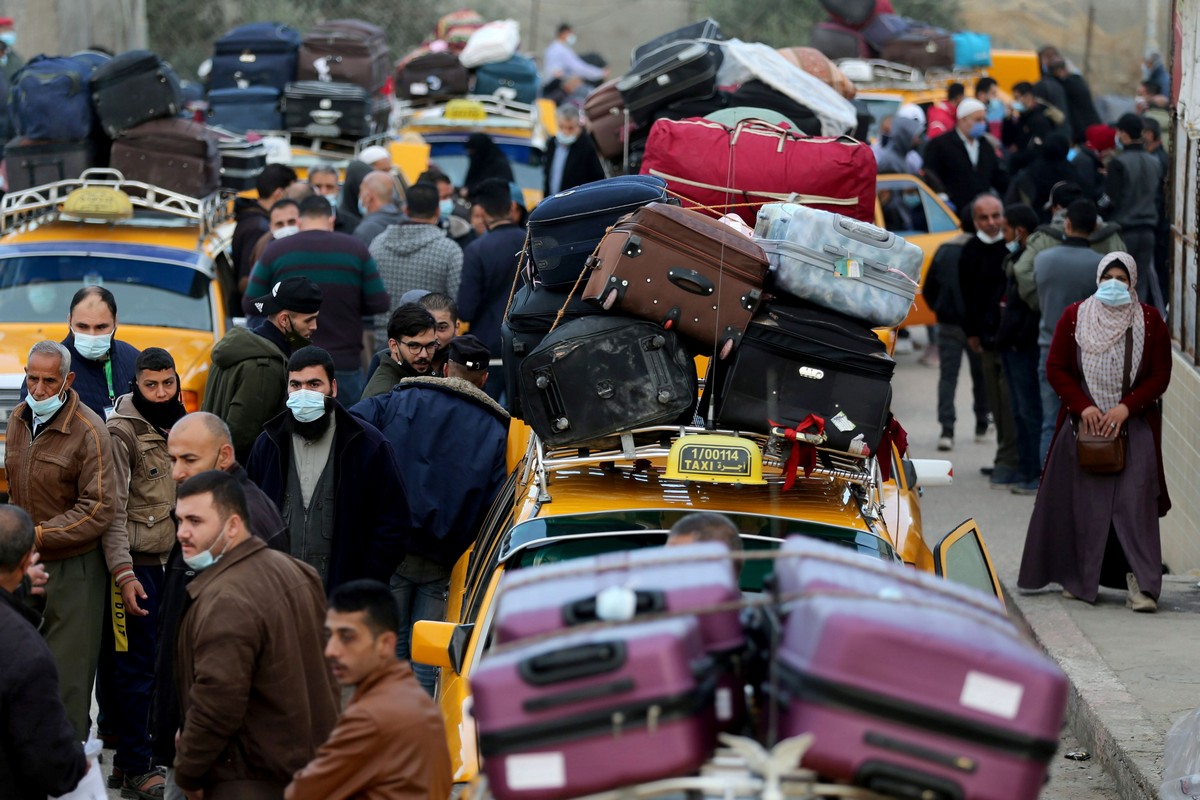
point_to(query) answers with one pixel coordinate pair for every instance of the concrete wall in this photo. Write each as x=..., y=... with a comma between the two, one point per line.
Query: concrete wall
x=1181, y=456
x=66, y=26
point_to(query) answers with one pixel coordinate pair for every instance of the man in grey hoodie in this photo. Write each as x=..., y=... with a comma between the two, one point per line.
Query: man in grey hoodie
x=417, y=254
x=893, y=157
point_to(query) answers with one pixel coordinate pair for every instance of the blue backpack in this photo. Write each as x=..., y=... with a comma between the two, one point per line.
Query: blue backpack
x=50, y=100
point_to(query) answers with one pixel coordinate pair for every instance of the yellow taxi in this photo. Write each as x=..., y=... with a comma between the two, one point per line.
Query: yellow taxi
x=164, y=255
x=563, y=504
x=906, y=206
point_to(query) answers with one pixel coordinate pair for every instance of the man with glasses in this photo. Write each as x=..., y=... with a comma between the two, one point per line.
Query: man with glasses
x=412, y=346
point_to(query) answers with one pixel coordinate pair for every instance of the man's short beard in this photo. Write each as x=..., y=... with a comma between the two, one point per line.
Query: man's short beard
x=311, y=431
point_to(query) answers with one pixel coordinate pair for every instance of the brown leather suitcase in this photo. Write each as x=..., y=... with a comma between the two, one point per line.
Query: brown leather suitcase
x=345, y=51
x=923, y=48
x=607, y=121
x=682, y=269
x=174, y=154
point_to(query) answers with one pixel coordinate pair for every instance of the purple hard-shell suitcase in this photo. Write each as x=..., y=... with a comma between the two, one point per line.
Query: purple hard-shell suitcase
x=819, y=566
x=587, y=712
x=911, y=699
x=557, y=596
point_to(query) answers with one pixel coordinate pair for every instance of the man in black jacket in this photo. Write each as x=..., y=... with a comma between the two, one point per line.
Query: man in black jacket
x=252, y=221
x=1131, y=189
x=39, y=754
x=962, y=161
x=1080, y=108
x=944, y=296
x=571, y=157
x=981, y=275
x=197, y=443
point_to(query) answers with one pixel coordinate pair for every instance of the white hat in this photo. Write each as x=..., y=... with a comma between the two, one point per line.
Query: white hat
x=374, y=153
x=912, y=111
x=969, y=106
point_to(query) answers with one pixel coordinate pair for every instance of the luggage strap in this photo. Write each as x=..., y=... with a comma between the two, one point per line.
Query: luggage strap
x=521, y=262
x=782, y=197
x=804, y=445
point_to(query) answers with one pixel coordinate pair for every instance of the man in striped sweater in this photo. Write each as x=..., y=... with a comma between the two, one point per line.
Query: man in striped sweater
x=350, y=286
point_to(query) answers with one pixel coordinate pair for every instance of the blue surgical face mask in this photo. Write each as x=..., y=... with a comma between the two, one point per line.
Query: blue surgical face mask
x=333, y=200
x=995, y=110
x=977, y=130
x=1120, y=145
x=911, y=200
x=564, y=140
x=1018, y=107
x=9, y=38
x=93, y=347
x=306, y=405
x=571, y=39
x=1113, y=292
x=446, y=207
x=205, y=559
x=45, y=409
x=1013, y=246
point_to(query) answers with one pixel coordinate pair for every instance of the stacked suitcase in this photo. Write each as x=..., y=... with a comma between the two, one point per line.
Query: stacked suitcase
x=872, y=29
x=342, y=67
x=251, y=65
x=635, y=695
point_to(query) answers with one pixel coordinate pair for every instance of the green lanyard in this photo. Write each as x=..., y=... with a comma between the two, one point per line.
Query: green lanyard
x=112, y=397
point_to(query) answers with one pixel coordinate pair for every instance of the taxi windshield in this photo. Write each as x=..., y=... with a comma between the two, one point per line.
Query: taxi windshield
x=38, y=288
x=549, y=540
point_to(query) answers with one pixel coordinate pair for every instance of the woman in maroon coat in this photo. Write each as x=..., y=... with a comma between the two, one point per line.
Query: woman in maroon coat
x=1092, y=530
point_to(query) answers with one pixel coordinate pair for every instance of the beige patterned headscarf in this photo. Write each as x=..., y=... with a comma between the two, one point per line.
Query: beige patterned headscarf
x=1100, y=333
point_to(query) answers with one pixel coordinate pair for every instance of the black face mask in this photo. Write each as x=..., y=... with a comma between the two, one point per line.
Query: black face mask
x=161, y=415
x=311, y=431
x=294, y=340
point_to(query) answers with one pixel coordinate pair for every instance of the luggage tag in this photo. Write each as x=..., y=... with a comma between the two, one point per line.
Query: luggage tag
x=847, y=268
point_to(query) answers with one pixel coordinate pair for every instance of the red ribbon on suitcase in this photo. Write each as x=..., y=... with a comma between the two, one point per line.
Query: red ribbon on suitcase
x=800, y=447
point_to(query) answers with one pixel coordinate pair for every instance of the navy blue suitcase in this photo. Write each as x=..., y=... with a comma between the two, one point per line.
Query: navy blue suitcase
x=516, y=79
x=257, y=54
x=565, y=229
x=530, y=318
x=255, y=108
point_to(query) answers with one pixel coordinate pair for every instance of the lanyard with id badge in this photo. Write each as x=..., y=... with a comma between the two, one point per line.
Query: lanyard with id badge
x=112, y=396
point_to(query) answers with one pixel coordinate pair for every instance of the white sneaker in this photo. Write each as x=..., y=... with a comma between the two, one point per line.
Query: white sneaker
x=945, y=444
x=1137, y=599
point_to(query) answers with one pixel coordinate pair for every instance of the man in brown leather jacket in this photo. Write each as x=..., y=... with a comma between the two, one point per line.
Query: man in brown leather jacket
x=389, y=743
x=60, y=470
x=135, y=548
x=255, y=694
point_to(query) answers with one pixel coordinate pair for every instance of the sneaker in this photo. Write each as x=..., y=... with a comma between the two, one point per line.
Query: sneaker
x=1026, y=487
x=986, y=470
x=945, y=444
x=982, y=432
x=1137, y=599
x=1068, y=595
x=930, y=359
x=1003, y=478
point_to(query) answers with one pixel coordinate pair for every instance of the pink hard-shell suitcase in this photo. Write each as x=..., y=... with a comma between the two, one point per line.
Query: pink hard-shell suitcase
x=592, y=711
x=914, y=699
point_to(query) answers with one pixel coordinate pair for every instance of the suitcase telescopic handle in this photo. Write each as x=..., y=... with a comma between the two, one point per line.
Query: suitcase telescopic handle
x=691, y=281
x=584, y=611
x=573, y=663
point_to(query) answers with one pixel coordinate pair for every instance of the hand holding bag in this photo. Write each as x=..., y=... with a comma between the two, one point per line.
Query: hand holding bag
x=1097, y=453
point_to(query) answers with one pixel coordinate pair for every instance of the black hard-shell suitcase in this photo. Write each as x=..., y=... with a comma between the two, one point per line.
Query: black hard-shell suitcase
x=241, y=163
x=133, y=88
x=673, y=72
x=173, y=154
x=564, y=229
x=29, y=164
x=432, y=78
x=603, y=375
x=707, y=30
x=333, y=110
x=530, y=318
x=797, y=360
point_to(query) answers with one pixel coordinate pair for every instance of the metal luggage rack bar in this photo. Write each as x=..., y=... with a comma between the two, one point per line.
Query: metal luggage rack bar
x=27, y=208
x=408, y=113
x=889, y=74
x=541, y=460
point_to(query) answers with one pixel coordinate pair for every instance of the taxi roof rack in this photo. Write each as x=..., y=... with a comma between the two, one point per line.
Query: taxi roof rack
x=524, y=114
x=655, y=442
x=22, y=210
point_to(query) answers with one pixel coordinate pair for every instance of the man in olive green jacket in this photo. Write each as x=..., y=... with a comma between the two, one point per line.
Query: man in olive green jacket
x=247, y=384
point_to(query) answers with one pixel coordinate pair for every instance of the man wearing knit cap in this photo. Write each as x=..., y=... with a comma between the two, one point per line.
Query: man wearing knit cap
x=963, y=161
x=431, y=422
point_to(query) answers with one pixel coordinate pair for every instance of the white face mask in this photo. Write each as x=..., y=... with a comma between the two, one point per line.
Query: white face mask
x=93, y=347
x=285, y=231
x=571, y=39
x=43, y=410
x=983, y=237
x=205, y=558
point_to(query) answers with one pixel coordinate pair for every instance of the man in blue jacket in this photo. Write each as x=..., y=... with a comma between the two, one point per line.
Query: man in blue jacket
x=433, y=421
x=332, y=477
x=102, y=365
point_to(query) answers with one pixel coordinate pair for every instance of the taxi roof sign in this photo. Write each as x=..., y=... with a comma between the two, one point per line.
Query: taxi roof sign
x=99, y=203
x=465, y=110
x=715, y=458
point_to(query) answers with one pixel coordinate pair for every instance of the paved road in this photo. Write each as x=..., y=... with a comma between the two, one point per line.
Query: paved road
x=1002, y=519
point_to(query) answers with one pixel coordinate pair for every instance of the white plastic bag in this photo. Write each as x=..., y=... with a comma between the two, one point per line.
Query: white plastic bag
x=494, y=43
x=1181, y=755
x=91, y=787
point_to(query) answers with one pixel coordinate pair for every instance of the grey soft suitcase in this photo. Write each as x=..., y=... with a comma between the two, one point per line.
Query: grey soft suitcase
x=841, y=264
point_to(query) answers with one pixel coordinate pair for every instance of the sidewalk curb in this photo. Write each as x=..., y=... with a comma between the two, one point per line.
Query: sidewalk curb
x=1104, y=716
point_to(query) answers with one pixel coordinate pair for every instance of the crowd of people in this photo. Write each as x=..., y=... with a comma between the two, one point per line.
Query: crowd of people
x=215, y=575
x=1063, y=238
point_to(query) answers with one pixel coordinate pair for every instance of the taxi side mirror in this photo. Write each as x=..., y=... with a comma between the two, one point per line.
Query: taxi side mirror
x=440, y=644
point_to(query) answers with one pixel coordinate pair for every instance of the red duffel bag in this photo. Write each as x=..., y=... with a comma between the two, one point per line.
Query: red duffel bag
x=737, y=169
